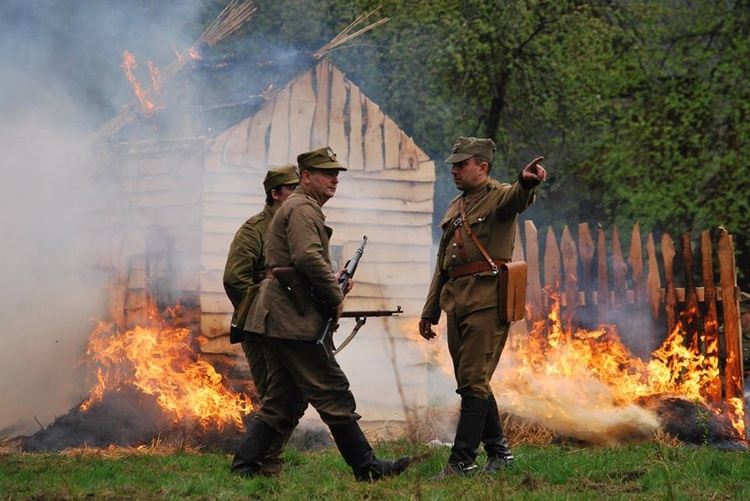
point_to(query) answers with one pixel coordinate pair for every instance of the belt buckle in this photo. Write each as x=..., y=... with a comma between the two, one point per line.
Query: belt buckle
x=458, y=222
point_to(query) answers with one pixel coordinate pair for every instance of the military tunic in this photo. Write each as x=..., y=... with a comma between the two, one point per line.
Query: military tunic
x=243, y=273
x=297, y=237
x=299, y=370
x=476, y=334
x=244, y=270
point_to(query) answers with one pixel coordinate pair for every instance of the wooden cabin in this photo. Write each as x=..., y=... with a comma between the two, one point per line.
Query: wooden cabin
x=175, y=203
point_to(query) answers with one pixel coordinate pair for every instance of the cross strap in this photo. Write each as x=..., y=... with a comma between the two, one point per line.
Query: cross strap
x=460, y=222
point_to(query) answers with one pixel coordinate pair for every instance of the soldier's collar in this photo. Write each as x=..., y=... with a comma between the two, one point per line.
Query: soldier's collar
x=482, y=188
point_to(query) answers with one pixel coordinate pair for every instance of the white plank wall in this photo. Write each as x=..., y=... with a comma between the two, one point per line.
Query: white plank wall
x=387, y=194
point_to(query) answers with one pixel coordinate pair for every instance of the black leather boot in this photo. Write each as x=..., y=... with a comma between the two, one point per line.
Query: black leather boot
x=468, y=435
x=499, y=455
x=358, y=454
x=253, y=448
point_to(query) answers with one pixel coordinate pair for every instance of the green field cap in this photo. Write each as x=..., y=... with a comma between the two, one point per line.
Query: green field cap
x=277, y=176
x=322, y=158
x=467, y=147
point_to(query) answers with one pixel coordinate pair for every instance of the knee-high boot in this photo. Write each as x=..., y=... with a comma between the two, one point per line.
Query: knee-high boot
x=499, y=455
x=468, y=435
x=253, y=448
x=358, y=454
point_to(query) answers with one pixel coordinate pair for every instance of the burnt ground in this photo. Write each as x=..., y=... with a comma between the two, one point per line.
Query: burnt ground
x=130, y=418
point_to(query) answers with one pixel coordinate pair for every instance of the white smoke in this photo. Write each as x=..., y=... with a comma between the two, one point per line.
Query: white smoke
x=60, y=80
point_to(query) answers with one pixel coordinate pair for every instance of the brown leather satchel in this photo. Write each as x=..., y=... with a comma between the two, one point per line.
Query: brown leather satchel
x=512, y=290
x=296, y=284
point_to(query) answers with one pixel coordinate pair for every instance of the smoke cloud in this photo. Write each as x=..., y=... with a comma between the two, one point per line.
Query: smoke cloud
x=60, y=80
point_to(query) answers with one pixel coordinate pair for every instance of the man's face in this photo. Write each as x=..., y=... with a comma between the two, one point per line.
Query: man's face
x=321, y=183
x=745, y=321
x=469, y=174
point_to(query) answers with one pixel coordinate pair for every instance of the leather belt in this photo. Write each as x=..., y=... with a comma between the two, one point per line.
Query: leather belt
x=472, y=268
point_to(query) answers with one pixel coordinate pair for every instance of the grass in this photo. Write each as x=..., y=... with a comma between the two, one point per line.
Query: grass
x=648, y=470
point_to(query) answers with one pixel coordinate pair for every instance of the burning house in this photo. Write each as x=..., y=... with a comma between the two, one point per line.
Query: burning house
x=183, y=184
x=608, y=353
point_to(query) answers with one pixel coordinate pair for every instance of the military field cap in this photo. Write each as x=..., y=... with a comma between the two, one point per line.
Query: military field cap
x=322, y=158
x=744, y=302
x=467, y=147
x=277, y=176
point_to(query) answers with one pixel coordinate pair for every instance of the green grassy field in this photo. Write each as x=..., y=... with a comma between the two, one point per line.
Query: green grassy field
x=647, y=470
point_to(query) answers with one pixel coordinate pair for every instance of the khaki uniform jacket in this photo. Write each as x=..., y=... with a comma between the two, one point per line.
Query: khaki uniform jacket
x=246, y=266
x=297, y=237
x=492, y=211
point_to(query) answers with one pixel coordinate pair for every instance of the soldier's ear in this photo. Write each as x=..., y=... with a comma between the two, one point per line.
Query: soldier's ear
x=483, y=164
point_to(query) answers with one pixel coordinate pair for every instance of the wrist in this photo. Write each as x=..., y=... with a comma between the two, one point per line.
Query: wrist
x=527, y=184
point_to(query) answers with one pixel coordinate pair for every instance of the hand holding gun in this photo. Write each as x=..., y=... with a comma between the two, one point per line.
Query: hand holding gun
x=344, y=279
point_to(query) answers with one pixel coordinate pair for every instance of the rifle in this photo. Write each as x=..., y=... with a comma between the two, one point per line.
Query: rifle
x=351, y=267
x=361, y=317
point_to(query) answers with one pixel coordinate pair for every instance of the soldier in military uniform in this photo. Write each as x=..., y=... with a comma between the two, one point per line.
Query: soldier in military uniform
x=299, y=369
x=245, y=269
x=478, y=236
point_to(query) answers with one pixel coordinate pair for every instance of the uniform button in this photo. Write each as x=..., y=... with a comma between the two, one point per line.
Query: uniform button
x=479, y=220
x=455, y=245
x=453, y=256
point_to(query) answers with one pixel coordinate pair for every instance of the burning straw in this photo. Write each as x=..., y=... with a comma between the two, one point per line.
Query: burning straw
x=235, y=15
x=586, y=385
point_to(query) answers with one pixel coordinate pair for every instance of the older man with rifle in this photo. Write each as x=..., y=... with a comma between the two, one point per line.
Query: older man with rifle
x=297, y=367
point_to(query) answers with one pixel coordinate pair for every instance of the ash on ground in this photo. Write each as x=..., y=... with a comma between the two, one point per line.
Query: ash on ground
x=131, y=419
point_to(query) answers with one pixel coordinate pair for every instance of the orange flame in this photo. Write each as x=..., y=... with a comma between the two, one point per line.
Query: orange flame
x=129, y=64
x=161, y=360
x=155, y=73
x=587, y=383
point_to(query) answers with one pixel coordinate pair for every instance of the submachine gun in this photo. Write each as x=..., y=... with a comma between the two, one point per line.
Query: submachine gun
x=360, y=316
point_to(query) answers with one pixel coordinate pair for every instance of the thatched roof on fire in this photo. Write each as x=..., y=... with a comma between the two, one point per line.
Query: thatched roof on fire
x=211, y=93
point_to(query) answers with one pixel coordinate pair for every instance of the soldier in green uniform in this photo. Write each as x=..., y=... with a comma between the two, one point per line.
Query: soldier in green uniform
x=299, y=369
x=478, y=236
x=245, y=269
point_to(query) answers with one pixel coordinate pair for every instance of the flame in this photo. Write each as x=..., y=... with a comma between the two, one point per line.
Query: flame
x=128, y=65
x=587, y=384
x=155, y=73
x=193, y=53
x=161, y=360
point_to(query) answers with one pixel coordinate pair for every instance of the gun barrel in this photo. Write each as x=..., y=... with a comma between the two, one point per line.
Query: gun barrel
x=371, y=313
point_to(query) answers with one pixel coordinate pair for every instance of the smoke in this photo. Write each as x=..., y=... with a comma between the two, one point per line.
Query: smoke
x=60, y=80
x=580, y=407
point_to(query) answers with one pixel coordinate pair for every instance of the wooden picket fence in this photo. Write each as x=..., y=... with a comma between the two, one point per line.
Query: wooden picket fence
x=645, y=295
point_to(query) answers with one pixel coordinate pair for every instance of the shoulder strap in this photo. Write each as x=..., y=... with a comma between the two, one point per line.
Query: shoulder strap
x=473, y=237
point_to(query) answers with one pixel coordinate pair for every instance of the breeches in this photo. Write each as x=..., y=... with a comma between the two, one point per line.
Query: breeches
x=299, y=372
x=252, y=345
x=475, y=342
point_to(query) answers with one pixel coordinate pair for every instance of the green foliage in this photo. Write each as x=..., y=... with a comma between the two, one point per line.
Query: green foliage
x=640, y=108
